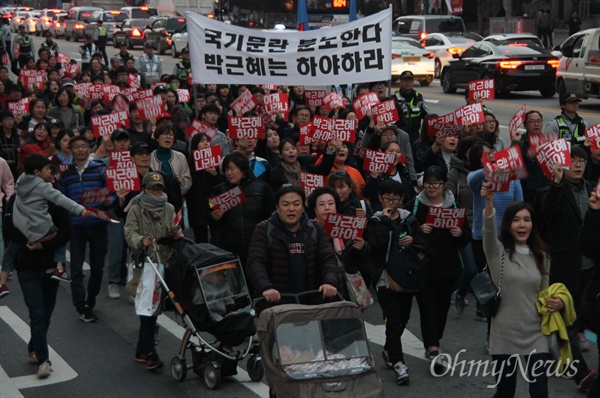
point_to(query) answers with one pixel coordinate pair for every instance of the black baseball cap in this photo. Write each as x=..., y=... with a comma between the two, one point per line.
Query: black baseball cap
x=120, y=134
x=407, y=75
x=140, y=147
x=569, y=97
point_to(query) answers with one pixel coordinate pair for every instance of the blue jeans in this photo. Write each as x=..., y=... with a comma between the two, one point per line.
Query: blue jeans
x=469, y=268
x=538, y=385
x=96, y=236
x=116, y=251
x=39, y=291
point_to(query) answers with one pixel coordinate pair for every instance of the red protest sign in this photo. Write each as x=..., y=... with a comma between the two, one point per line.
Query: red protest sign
x=321, y=129
x=110, y=91
x=344, y=129
x=362, y=104
x=198, y=126
x=501, y=167
x=548, y=154
x=183, y=94
x=385, y=112
x=379, y=162
x=207, y=157
x=314, y=98
x=515, y=122
x=446, y=218
x=472, y=113
x=227, y=200
x=309, y=182
x=245, y=126
x=443, y=126
x=304, y=138
x=106, y=124
x=72, y=69
x=141, y=94
x=537, y=140
x=150, y=107
x=83, y=89
x=97, y=195
x=481, y=90
x=457, y=7
x=101, y=214
x=593, y=134
x=274, y=102
x=244, y=103
x=121, y=160
x=332, y=100
x=345, y=227
x=19, y=107
x=31, y=79
x=63, y=58
x=268, y=87
x=120, y=104
x=122, y=179
x=129, y=93
x=134, y=81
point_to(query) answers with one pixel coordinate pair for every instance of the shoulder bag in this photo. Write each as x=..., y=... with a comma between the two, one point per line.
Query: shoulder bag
x=486, y=292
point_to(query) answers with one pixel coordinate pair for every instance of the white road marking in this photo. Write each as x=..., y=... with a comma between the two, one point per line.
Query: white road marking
x=61, y=370
x=258, y=388
x=432, y=101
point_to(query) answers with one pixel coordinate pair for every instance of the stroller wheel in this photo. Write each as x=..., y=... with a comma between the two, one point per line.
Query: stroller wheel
x=255, y=368
x=212, y=377
x=178, y=368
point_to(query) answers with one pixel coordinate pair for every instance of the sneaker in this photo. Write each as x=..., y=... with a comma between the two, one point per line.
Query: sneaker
x=584, y=344
x=31, y=355
x=480, y=317
x=139, y=357
x=61, y=275
x=453, y=298
x=153, y=362
x=4, y=291
x=44, y=370
x=87, y=315
x=459, y=304
x=113, y=291
x=432, y=354
x=386, y=359
x=401, y=373
x=440, y=364
x=587, y=380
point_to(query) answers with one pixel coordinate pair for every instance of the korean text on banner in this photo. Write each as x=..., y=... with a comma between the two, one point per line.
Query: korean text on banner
x=357, y=51
x=516, y=121
x=446, y=218
x=345, y=227
x=106, y=124
x=207, y=157
x=481, y=90
x=592, y=134
x=548, y=154
x=379, y=162
x=227, y=200
x=117, y=179
x=245, y=127
x=309, y=181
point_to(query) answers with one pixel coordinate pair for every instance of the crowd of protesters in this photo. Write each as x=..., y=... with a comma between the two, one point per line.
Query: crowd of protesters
x=428, y=172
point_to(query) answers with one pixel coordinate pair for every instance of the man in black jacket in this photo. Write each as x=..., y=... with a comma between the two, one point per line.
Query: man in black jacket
x=290, y=253
x=34, y=264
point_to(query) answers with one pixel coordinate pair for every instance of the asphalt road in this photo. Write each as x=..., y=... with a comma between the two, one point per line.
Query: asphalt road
x=96, y=360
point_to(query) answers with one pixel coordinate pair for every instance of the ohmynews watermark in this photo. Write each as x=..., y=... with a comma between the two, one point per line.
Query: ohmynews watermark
x=458, y=367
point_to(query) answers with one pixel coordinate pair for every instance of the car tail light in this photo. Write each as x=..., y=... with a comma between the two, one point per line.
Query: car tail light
x=79, y=26
x=517, y=45
x=115, y=13
x=57, y=24
x=553, y=63
x=396, y=56
x=181, y=20
x=64, y=24
x=164, y=33
x=455, y=50
x=136, y=33
x=169, y=42
x=509, y=64
x=211, y=16
x=429, y=55
x=144, y=8
x=301, y=29
x=423, y=34
x=17, y=19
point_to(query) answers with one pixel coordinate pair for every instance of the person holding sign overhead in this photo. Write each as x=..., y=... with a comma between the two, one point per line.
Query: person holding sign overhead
x=445, y=267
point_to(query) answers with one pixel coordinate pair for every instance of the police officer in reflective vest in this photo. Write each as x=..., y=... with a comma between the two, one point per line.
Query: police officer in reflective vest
x=87, y=50
x=23, y=46
x=50, y=44
x=412, y=105
x=182, y=69
x=101, y=40
x=568, y=124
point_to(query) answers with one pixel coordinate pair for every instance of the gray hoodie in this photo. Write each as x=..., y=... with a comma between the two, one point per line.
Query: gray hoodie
x=30, y=214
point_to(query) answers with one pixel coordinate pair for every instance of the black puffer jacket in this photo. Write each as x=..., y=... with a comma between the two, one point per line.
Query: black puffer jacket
x=234, y=230
x=268, y=265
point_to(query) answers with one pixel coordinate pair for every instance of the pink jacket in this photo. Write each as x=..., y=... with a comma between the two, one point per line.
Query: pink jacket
x=7, y=182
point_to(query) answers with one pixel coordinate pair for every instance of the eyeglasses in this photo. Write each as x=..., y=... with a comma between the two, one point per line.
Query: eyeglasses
x=143, y=153
x=156, y=189
x=536, y=121
x=391, y=200
x=579, y=161
x=433, y=184
x=490, y=121
x=168, y=134
x=77, y=147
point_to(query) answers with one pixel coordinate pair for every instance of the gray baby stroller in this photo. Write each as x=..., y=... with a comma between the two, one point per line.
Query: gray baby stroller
x=209, y=291
x=317, y=351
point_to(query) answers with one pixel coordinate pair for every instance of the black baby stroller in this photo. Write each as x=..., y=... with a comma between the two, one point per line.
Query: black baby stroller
x=317, y=351
x=209, y=291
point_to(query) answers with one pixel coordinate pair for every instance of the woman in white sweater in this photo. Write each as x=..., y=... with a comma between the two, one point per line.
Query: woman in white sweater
x=519, y=264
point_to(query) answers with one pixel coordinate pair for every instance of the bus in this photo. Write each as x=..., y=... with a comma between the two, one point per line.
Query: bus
x=315, y=14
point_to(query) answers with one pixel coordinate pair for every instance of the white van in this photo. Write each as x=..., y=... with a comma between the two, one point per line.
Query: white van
x=418, y=26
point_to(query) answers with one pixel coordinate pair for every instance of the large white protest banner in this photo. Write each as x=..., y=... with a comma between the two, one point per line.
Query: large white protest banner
x=358, y=51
